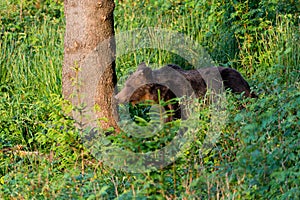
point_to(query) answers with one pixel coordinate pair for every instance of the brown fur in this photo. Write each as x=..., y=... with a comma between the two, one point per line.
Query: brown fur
x=145, y=83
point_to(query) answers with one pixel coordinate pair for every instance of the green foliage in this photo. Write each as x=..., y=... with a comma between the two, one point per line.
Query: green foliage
x=271, y=141
x=266, y=158
x=30, y=37
x=256, y=155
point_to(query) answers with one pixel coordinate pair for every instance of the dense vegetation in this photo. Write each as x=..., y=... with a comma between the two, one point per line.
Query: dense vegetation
x=256, y=155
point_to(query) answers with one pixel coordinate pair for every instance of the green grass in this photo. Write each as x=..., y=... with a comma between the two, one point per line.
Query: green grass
x=255, y=157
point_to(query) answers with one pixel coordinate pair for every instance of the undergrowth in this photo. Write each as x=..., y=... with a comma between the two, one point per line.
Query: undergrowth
x=256, y=155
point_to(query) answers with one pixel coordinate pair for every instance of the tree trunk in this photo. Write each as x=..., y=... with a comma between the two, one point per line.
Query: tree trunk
x=89, y=69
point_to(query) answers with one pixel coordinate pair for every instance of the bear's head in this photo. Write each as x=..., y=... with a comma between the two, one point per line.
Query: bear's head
x=137, y=86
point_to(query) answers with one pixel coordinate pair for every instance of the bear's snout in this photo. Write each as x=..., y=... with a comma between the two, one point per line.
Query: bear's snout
x=122, y=97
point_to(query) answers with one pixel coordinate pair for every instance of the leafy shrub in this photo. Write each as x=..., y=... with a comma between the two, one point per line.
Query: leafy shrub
x=255, y=156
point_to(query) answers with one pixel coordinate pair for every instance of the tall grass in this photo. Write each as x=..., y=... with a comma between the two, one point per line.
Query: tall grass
x=33, y=59
x=256, y=156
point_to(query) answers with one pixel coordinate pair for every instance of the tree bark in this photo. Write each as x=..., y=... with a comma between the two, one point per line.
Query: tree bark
x=89, y=69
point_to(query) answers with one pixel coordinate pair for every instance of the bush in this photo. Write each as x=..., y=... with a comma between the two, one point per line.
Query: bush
x=255, y=156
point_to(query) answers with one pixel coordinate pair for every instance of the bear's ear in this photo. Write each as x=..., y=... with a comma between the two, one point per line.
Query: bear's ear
x=147, y=71
x=142, y=66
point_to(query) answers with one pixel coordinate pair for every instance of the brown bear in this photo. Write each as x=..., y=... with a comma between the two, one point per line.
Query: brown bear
x=172, y=81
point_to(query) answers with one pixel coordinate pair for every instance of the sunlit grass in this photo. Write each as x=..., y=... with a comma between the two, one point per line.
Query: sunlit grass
x=41, y=152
